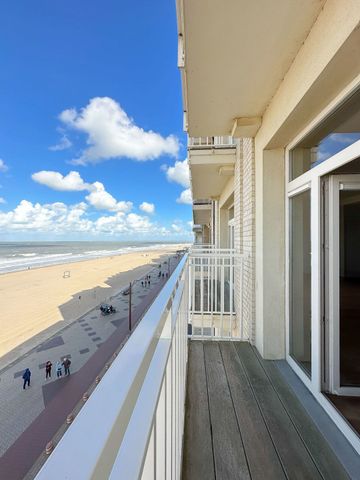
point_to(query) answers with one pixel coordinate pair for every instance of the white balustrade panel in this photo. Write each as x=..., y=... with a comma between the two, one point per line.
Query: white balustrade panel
x=131, y=427
x=215, y=282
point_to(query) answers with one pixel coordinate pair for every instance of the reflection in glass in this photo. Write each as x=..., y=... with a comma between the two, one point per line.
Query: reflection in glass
x=336, y=132
x=349, y=243
x=300, y=280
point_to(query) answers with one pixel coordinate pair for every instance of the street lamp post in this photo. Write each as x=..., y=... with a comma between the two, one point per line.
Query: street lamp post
x=130, y=288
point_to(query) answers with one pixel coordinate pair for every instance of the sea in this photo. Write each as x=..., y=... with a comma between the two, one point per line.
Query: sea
x=16, y=256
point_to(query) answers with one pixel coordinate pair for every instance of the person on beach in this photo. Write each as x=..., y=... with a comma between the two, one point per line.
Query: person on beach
x=66, y=362
x=26, y=377
x=48, y=366
x=58, y=369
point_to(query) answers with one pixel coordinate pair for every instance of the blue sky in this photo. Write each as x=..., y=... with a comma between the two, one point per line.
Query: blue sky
x=91, y=88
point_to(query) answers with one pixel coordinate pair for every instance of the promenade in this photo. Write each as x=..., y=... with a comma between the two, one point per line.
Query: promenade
x=30, y=419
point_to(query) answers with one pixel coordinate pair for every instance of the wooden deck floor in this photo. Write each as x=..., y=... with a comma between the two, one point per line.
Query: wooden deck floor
x=244, y=422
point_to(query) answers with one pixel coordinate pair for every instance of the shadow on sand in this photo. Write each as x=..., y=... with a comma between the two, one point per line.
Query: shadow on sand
x=74, y=309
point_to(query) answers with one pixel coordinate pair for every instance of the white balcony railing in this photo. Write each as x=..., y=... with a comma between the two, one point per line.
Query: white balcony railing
x=201, y=142
x=132, y=425
x=213, y=274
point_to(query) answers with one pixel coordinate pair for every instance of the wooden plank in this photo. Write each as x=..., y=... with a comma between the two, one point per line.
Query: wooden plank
x=260, y=452
x=198, y=461
x=295, y=458
x=229, y=456
x=320, y=450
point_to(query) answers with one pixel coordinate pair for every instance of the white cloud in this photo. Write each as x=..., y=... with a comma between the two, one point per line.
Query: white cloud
x=147, y=207
x=100, y=199
x=179, y=173
x=72, y=182
x=2, y=200
x=63, y=144
x=112, y=134
x=3, y=166
x=185, y=197
x=58, y=218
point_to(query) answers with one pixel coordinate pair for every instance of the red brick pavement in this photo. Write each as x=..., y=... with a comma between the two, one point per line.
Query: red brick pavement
x=24, y=452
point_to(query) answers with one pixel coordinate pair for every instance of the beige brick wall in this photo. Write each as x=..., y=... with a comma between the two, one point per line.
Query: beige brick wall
x=244, y=214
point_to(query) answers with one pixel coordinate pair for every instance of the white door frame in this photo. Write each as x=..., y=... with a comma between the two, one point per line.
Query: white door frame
x=337, y=183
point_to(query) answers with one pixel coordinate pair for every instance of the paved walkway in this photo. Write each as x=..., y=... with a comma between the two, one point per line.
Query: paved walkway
x=30, y=418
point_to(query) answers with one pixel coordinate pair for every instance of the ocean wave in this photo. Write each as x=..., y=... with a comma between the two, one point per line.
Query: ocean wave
x=27, y=261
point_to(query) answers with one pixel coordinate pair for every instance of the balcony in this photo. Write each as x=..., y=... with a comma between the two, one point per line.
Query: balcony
x=240, y=418
x=202, y=212
x=211, y=161
x=211, y=142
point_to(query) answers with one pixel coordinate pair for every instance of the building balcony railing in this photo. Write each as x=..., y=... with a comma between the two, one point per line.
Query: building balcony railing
x=132, y=425
x=212, y=276
x=211, y=142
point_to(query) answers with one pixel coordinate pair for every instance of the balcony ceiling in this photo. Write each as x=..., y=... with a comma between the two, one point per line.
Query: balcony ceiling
x=202, y=214
x=210, y=171
x=236, y=55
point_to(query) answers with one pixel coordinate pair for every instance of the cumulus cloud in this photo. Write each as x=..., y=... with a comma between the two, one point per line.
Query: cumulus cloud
x=72, y=182
x=3, y=166
x=58, y=218
x=185, y=197
x=63, y=144
x=55, y=217
x=100, y=199
x=112, y=134
x=2, y=200
x=147, y=207
x=179, y=173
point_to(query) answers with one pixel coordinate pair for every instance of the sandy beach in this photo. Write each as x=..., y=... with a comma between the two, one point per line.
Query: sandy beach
x=40, y=301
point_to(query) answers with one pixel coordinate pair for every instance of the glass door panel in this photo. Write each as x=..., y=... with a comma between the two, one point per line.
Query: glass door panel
x=349, y=286
x=300, y=280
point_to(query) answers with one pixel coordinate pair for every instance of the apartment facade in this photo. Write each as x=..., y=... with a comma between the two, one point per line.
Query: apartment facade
x=282, y=80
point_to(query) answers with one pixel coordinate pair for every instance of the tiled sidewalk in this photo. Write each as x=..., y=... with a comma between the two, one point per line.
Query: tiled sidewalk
x=30, y=418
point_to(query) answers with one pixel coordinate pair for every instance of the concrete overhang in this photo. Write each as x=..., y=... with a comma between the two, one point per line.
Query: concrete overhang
x=234, y=57
x=210, y=170
x=197, y=228
x=202, y=213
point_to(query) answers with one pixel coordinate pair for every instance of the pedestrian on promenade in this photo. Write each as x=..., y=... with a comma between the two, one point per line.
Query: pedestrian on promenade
x=58, y=369
x=26, y=377
x=66, y=362
x=48, y=366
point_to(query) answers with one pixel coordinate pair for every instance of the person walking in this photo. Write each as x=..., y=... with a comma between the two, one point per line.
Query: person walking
x=48, y=366
x=66, y=363
x=26, y=377
x=58, y=369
